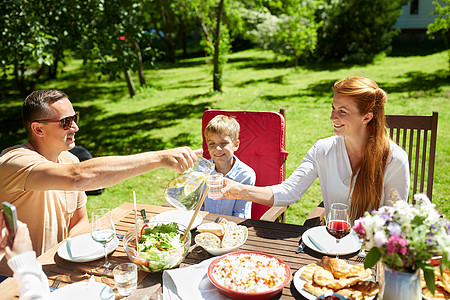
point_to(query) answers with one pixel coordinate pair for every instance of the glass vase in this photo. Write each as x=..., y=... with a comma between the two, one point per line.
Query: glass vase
x=396, y=285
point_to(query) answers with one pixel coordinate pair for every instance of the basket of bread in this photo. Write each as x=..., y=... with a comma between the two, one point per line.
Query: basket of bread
x=333, y=275
x=221, y=237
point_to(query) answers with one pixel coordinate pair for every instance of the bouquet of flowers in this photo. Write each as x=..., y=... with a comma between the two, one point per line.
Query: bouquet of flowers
x=406, y=236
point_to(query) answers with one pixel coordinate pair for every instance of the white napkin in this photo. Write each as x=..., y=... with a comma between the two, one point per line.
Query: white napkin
x=84, y=246
x=190, y=283
x=323, y=241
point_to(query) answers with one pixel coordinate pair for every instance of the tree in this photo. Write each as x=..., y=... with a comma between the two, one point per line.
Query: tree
x=293, y=32
x=112, y=40
x=170, y=21
x=357, y=30
x=441, y=24
x=25, y=45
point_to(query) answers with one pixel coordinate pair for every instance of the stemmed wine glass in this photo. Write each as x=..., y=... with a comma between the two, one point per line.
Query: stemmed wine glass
x=103, y=231
x=338, y=224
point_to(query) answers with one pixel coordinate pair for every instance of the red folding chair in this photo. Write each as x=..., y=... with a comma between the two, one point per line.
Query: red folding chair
x=262, y=147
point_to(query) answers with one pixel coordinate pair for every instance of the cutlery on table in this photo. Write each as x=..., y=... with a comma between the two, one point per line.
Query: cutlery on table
x=361, y=256
x=144, y=216
x=300, y=246
x=55, y=284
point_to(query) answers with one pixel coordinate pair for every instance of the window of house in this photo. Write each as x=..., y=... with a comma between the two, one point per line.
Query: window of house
x=414, y=7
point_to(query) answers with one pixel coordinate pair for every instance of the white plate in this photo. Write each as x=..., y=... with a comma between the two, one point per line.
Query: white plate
x=83, y=290
x=64, y=254
x=349, y=244
x=179, y=216
x=299, y=283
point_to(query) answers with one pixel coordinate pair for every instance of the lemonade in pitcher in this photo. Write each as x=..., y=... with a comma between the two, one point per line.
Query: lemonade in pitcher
x=185, y=191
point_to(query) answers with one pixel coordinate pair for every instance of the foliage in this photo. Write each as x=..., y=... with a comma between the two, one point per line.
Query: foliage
x=25, y=42
x=292, y=33
x=442, y=22
x=405, y=236
x=356, y=30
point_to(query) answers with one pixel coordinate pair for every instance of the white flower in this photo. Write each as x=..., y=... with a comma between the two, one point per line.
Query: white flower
x=421, y=199
x=380, y=238
x=394, y=229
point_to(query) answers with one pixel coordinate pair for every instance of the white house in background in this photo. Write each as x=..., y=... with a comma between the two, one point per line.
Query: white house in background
x=416, y=16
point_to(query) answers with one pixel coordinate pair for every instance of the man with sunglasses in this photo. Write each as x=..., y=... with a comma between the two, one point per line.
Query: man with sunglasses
x=46, y=182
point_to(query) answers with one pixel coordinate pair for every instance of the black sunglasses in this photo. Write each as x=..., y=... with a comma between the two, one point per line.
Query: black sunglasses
x=65, y=122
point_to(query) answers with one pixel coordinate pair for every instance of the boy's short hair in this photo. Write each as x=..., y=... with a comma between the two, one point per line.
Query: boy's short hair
x=222, y=124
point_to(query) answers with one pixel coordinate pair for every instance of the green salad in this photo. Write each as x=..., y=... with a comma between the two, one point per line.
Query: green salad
x=156, y=247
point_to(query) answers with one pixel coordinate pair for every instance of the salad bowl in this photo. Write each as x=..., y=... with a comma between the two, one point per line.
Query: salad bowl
x=159, y=247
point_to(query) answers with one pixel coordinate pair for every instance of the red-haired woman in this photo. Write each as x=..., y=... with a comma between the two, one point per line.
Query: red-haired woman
x=358, y=166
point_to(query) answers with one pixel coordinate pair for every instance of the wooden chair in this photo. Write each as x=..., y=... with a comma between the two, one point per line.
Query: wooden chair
x=417, y=136
x=262, y=147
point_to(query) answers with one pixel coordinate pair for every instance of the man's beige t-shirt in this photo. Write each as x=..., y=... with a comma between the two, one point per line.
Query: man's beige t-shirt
x=47, y=213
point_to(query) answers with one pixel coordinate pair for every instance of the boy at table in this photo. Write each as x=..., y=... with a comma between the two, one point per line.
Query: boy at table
x=222, y=139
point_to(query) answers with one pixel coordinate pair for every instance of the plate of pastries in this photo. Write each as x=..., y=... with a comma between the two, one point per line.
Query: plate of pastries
x=442, y=285
x=333, y=275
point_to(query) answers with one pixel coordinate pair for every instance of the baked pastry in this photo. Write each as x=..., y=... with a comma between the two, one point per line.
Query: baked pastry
x=308, y=272
x=315, y=289
x=368, y=288
x=359, y=271
x=323, y=277
x=338, y=267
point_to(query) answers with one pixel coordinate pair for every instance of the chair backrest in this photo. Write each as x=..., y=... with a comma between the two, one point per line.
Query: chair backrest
x=262, y=146
x=417, y=136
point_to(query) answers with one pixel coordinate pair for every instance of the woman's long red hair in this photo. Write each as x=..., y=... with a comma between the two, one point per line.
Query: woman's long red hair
x=368, y=178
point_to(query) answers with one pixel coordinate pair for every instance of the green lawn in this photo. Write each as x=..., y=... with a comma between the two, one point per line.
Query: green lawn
x=167, y=113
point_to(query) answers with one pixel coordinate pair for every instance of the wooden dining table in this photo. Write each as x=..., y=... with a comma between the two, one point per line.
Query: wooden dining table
x=279, y=239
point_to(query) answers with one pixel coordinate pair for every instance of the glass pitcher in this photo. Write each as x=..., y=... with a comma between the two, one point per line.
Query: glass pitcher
x=185, y=191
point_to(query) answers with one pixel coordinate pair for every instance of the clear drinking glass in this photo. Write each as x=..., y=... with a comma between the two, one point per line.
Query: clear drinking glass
x=338, y=224
x=103, y=231
x=215, y=184
x=125, y=276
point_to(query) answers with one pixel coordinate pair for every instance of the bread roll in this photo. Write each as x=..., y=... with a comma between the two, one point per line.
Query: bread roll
x=234, y=235
x=214, y=228
x=208, y=240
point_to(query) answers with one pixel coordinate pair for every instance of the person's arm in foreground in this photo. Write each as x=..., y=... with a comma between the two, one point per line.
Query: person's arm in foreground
x=257, y=194
x=30, y=278
x=101, y=172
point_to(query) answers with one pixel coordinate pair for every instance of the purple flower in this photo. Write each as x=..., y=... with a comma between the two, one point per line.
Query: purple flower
x=394, y=229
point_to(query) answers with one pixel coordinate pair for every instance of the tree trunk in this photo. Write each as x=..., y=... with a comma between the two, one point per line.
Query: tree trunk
x=53, y=69
x=139, y=64
x=183, y=35
x=217, y=73
x=130, y=84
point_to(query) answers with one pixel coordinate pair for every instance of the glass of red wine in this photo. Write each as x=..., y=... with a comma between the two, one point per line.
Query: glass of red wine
x=338, y=224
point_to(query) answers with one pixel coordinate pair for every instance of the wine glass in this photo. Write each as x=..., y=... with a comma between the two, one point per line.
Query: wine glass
x=338, y=224
x=103, y=231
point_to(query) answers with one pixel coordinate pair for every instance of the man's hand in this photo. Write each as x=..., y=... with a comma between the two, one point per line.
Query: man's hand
x=179, y=159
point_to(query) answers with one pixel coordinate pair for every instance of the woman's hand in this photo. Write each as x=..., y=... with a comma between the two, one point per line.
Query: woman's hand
x=232, y=189
x=22, y=241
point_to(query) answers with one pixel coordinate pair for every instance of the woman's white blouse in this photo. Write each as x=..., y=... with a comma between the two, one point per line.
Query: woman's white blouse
x=328, y=160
